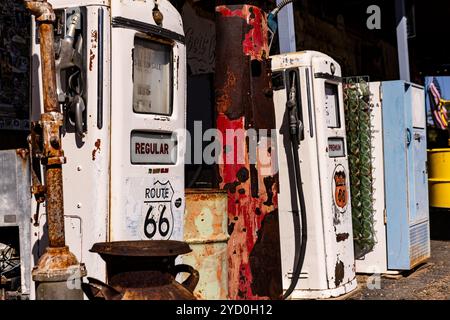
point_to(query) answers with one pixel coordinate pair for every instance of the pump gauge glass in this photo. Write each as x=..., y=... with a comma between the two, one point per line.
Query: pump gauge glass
x=152, y=77
x=332, y=106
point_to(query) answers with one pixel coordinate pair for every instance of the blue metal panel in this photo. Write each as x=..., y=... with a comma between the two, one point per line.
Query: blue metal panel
x=395, y=138
x=405, y=178
x=286, y=28
x=407, y=102
x=419, y=211
x=402, y=40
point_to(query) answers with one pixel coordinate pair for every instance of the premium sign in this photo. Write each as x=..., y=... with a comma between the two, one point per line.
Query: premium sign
x=152, y=148
x=336, y=147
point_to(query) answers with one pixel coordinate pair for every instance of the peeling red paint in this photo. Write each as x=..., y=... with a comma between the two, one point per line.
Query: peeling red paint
x=252, y=193
x=255, y=43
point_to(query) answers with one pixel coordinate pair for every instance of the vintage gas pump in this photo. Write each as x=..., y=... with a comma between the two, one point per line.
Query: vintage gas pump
x=317, y=245
x=120, y=70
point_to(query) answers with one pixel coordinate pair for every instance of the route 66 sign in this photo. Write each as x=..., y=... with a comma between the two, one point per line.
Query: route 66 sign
x=340, y=188
x=157, y=212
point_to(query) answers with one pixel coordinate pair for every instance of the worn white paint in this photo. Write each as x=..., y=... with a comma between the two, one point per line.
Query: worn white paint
x=376, y=260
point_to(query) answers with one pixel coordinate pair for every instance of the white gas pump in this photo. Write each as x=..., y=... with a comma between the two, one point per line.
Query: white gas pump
x=316, y=250
x=121, y=84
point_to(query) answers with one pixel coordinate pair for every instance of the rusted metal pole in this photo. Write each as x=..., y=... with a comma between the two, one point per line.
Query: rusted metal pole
x=244, y=102
x=57, y=268
x=48, y=65
x=51, y=122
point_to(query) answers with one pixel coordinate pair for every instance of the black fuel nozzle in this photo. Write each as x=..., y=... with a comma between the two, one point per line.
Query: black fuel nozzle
x=294, y=122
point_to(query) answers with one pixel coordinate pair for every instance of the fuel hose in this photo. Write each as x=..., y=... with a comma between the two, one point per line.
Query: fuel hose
x=299, y=220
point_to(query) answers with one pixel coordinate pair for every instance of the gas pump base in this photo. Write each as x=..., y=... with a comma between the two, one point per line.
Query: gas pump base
x=324, y=294
x=58, y=275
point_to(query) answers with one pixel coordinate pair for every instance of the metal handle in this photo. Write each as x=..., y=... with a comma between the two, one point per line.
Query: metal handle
x=97, y=289
x=191, y=282
x=79, y=109
x=408, y=136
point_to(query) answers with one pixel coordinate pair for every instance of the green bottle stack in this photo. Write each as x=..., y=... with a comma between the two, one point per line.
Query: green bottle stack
x=359, y=146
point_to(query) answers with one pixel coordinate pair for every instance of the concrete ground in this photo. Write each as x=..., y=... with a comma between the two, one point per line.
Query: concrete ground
x=430, y=281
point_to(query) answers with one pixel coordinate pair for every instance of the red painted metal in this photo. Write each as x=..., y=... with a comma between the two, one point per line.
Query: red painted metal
x=243, y=102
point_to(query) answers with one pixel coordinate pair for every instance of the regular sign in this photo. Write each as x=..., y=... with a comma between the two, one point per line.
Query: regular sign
x=152, y=148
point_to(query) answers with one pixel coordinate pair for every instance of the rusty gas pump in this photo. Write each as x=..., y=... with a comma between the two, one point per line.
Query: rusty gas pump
x=58, y=270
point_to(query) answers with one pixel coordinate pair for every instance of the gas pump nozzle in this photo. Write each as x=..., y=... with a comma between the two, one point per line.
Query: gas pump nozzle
x=295, y=125
x=68, y=55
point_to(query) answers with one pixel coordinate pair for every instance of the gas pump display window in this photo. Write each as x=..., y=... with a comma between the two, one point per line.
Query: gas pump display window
x=152, y=77
x=332, y=106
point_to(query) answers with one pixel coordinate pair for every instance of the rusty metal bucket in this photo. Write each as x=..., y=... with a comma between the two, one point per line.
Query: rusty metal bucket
x=142, y=270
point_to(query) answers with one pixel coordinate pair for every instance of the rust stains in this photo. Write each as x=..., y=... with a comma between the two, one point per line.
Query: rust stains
x=48, y=68
x=232, y=88
x=262, y=103
x=143, y=270
x=223, y=99
x=267, y=275
x=342, y=237
x=55, y=205
x=94, y=36
x=96, y=149
x=51, y=122
x=22, y=153
x=57, y=259
x=91, y=59
x=205, y=229
x=94, y=41
x=339, y=273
